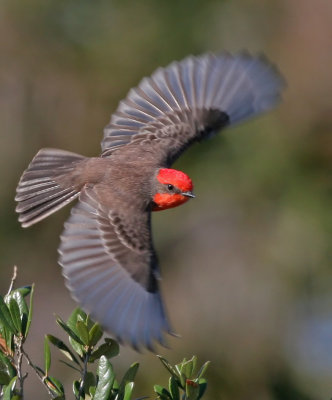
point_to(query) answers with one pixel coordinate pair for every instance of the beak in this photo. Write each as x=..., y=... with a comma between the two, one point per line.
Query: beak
x=188, y=194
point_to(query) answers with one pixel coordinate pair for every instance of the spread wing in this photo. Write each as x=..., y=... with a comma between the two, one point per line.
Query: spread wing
x=111, y=269
x=192, y=99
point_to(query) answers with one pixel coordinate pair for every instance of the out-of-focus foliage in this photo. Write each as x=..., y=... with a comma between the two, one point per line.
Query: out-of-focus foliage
x=246, y=270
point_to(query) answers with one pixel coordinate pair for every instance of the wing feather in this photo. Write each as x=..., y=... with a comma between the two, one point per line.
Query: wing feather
x=111, y=276
x=203, y=94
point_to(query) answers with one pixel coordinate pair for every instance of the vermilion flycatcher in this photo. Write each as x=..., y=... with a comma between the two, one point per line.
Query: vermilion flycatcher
x=106, y=250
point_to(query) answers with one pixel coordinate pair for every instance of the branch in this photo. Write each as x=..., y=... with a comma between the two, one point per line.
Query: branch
x=83, y=376
x=38, y=373
x=13, y=280
x=21, y=377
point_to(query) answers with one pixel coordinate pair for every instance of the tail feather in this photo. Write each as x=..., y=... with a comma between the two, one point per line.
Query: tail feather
x=29, y=191
x=39, y=193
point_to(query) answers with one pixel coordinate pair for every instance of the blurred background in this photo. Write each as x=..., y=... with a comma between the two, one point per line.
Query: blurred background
x=245, y=265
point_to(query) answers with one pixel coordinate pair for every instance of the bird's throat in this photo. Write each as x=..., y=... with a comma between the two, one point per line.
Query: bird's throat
x=163, y=201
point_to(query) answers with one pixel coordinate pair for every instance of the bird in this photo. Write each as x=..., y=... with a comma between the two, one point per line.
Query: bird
x=106, y=249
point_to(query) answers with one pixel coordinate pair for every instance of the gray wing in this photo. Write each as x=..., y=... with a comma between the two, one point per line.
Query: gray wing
x=111, y=270
x=192, y=99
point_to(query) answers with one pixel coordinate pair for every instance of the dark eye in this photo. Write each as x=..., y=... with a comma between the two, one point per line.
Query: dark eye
x=170, y=187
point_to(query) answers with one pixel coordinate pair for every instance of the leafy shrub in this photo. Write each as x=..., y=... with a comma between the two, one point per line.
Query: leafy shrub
x=85, y=348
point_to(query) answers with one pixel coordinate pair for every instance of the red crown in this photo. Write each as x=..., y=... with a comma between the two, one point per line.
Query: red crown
x=176, y=178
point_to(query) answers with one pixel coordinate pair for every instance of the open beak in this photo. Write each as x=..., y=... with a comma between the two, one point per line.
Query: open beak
x=188, y=194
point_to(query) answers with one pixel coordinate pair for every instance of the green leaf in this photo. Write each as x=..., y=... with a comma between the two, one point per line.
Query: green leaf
x=181, y=375
x=115, y=385
x=5, y=317
x=187, y=368
x=194, y=361
x=8, y=338
x=54, y=385
x=114, y=345
x=202, y=371
x=128, y=391
x=88, y=322
x=7, y=394
x=63, y=348
x=129, y=376
x=162, y=392
x=77, y=347
x=106, y=379
x=47, y=355
x=170, y=369
x=17, y=295
x=108, y=349
x=15, y=314
x=24, y=311
x=181, y=366
x=178, y=368
x=184, y=370
x=70, y=332
x=83, y=332
x=92, y=391
x=77, y=315
x=24, y=290
x=76, y=388
x=192, y=390
x=174, y=388
x=7, y=370
x=30, y=311
x=89, y=382
x=202, y=387
x=95, y=334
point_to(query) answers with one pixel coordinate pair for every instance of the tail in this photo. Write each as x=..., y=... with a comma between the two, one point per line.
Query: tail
x=39, y=192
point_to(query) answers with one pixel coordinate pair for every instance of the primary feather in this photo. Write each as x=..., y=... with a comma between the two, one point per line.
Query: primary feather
x=191, y=99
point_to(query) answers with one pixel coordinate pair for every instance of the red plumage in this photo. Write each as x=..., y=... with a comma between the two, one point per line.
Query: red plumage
x=175, y=177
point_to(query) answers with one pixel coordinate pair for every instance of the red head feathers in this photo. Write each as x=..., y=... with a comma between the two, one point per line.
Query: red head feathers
x=177, y=189
x=177, y=178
